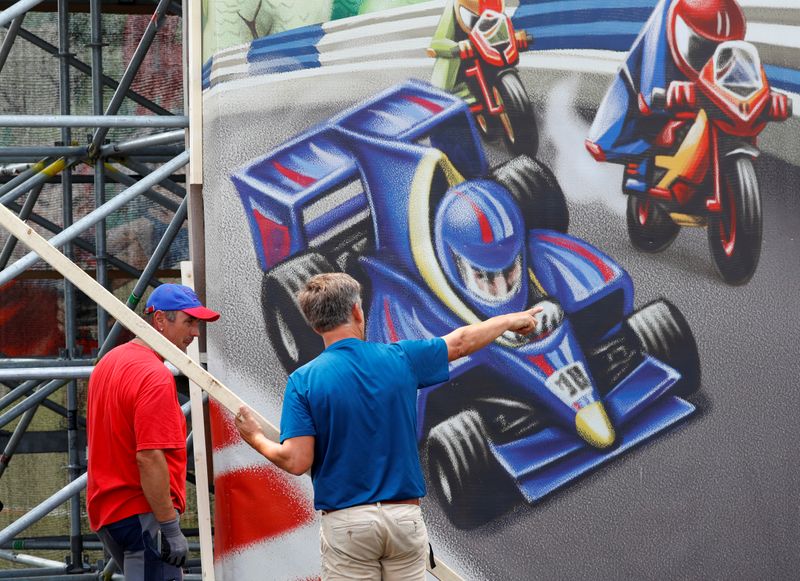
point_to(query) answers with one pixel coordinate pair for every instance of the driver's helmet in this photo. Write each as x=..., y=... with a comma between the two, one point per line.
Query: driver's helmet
x=480, y=243
x=468, y=11
x=697, y=27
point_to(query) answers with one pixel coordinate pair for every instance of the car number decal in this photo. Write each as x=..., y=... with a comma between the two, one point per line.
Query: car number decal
x=572, y=385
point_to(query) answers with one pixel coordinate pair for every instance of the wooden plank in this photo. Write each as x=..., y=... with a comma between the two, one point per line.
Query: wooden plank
x=194, y=89
x=127, y=317
x=200, y=461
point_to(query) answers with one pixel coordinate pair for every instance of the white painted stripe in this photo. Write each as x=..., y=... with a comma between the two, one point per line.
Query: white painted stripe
x=240, y=456
x=411, y=47
x=433, y=8
x=323, y=205
x=235, y=457
x=559, y=60
x=566, y=349
x=237, y=48
x=298, y=557
x=230, y=58
x=327, y=235
x=379, y=33
x=237, y=69
x=767, y=4
x=579, y=289
x=775, y=35
x=602, y=62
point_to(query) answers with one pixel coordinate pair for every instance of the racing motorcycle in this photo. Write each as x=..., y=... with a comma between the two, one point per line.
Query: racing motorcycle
x=700, y=171
x=498, y=100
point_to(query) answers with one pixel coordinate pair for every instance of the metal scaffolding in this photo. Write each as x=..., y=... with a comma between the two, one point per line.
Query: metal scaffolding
x=146, y=166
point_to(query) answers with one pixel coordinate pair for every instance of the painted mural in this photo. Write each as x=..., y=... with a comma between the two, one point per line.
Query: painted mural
x=463, y=159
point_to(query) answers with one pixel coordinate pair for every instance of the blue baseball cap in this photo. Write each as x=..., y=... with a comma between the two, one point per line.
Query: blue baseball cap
x=177, y=297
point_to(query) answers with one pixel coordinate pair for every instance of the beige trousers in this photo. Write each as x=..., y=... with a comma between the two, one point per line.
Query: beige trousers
x=374, y=542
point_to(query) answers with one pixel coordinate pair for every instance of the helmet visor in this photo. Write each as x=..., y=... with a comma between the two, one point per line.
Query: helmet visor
x=695, y=49
x=491, y=286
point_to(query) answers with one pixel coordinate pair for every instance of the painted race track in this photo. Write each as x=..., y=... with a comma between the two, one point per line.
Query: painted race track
x=715, y=498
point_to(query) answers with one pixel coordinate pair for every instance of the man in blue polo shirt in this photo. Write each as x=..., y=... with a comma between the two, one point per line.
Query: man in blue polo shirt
x=350, y=416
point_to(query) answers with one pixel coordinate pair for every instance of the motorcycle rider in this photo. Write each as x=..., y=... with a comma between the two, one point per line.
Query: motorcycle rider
x=676, y=43
x=458, y=18
x=697, y=27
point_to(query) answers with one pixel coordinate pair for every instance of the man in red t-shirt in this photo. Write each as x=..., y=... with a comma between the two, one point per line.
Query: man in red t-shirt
x=137, y=444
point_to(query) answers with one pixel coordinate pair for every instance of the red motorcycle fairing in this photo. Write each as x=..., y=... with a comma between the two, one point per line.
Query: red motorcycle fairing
x=743, y=117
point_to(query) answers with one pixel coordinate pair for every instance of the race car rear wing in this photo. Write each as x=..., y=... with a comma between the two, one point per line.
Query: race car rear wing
x=308, y=190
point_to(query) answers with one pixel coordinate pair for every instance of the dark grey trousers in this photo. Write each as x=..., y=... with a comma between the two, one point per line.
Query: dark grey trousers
x=134, y=544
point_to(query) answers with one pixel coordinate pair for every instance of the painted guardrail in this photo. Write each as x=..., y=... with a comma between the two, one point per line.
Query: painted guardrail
x=574, y=25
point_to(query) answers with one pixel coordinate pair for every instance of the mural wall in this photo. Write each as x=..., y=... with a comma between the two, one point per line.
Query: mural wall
x=630, y=166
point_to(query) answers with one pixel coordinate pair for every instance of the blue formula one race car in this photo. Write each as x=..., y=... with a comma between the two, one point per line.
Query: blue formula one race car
x=397, y=192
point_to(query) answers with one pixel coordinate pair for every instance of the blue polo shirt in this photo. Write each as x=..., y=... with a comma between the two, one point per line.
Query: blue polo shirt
x=358, y=399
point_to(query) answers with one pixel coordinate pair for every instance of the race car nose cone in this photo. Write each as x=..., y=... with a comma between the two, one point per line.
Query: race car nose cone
x=594, y=426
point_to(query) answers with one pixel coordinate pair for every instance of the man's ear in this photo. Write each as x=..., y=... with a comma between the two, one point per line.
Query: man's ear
x=158, y=320
x=358, y=314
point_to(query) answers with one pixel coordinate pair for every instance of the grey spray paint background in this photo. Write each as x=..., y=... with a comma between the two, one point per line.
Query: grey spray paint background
x=715, y=498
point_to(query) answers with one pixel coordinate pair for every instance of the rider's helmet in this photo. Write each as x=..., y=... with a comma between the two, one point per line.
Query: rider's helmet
x=480, y=243
x=697, y=27
x=468, y=11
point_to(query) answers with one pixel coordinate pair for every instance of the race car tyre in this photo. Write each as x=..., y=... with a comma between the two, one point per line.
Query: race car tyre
x=293, y=340
x=537, y=192
x=650, y=228
x=661, y=331
x=734, y=234
x=465, y=475
x=518, y=121
x=612, y=361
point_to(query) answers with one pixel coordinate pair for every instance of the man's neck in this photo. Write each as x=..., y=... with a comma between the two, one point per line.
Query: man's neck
x=138, y=341
x=346, y=331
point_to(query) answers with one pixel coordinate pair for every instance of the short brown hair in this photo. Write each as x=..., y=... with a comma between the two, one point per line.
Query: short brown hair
x=327, y=300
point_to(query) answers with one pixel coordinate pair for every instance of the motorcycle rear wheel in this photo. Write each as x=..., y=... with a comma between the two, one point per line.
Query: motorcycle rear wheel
x=518, y=121
x=650, y=229
x=734, y=234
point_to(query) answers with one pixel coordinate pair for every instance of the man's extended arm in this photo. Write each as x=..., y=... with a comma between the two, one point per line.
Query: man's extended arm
x=468, y=339
x=294, y=455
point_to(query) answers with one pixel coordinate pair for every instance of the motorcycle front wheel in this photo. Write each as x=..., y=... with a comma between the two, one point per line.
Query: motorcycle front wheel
x=518, y=121
x=650, y=228
x=734, y=233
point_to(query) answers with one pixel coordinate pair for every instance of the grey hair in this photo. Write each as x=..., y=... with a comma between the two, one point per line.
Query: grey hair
x=170, y=315
x=327, y=300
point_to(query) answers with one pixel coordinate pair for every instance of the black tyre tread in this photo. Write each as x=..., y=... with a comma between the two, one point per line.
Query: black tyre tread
x=279, y=294
x=520, y=113
x=536, y=191
x=655, y=237
x=738, y=269
x=461, y=445
x=663, y=332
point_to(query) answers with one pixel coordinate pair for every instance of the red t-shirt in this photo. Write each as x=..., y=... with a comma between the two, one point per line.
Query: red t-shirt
x=132, y=406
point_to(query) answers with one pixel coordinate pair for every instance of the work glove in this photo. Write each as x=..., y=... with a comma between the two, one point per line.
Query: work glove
x=549, y=318
x=174, y=546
